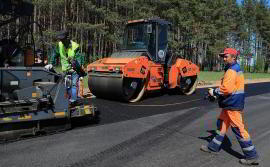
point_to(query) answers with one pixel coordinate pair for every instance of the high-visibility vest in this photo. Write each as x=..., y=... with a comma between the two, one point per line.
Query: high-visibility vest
x=232, y=88
x=67, y=53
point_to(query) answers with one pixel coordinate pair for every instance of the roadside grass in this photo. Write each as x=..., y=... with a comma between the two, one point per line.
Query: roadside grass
x=204, y=76
x=215, y=76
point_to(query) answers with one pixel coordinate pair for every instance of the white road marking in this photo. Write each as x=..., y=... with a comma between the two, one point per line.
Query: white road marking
x=160, y=105
x=262, y=135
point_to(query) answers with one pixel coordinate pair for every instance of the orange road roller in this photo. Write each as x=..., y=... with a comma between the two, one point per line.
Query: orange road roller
x=144, y=64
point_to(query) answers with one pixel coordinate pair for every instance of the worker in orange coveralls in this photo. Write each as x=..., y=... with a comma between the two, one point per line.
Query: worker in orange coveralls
x=231, y=99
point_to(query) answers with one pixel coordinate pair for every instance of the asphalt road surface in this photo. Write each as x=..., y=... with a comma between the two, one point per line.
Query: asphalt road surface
x=163, y=130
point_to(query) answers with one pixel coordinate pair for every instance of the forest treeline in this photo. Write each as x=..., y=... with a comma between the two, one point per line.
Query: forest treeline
x=200, y=28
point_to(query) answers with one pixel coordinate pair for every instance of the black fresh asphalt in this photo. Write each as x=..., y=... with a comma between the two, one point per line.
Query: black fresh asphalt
x=115, y=111
x=163, y=130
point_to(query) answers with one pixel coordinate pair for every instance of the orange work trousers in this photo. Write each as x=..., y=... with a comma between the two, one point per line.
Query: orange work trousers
x=234, y=119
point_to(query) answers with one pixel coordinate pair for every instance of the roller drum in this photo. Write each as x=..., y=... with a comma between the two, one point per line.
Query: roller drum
x=116, y=88
x=106, y=87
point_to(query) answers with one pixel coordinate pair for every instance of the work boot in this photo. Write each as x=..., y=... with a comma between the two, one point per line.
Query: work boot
x=207, y=150
x=249, y=162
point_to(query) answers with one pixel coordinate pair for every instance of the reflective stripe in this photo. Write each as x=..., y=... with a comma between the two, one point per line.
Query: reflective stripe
x=219, y=133
x=216, y=141
x=87, y=109
x=244, y=140
x=34, y=94
x=58, y=114
x=7, y=119
x=238, y=92
x=25, y=117
x=248, y=148
x=217, y=91
x=239, y=72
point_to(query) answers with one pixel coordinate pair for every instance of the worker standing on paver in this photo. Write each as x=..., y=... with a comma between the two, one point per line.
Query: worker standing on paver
x=69, y=52
x=231, y=98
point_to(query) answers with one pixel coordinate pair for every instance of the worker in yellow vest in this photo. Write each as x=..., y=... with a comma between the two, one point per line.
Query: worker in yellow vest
x=69, y=52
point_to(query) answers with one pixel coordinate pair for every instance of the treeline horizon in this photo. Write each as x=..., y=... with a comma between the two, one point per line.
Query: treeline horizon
x=200, y=28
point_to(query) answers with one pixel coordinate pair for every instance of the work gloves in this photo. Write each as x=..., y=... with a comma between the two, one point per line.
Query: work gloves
x=48, y=67
x=211, y=91
x=211, y=96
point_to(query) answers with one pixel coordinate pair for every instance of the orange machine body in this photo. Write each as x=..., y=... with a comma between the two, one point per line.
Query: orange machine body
x=143, y=68
x=144, y=64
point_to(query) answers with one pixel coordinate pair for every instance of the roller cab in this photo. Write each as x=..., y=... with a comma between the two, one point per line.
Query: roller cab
x=143, y=64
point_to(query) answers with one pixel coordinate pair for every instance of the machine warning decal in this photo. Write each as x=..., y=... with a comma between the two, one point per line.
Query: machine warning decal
x=184, y=70
x=28, y=73
x=25, y=117
x=153, y=78
x=13, y=83
x=143, y=69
